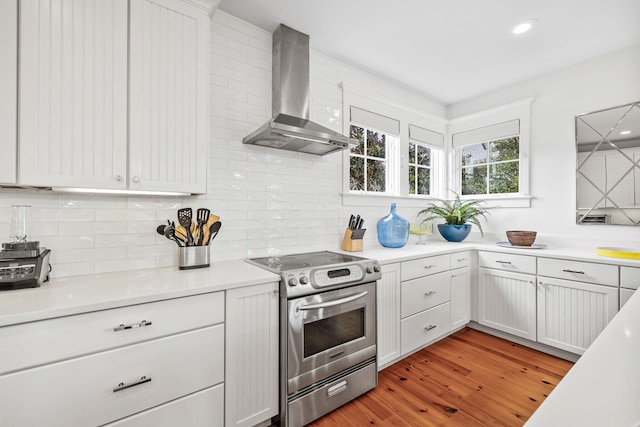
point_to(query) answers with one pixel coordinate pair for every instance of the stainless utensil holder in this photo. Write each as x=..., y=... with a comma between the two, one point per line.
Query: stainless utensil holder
x=193, y=257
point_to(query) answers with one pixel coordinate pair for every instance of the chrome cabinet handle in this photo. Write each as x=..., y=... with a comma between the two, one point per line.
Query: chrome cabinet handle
x=461, y=259
x=123, y=327
x=429, y=266
x=504, y=262
x=119, y=178
x=136, y=179
x=428, y=294
x=123, y=386
x=566, y=270
x=334, y=303
x=430, y=327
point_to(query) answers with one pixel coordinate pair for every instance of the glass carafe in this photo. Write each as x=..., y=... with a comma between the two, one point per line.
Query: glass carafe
x=393, y=230
x=19, y=229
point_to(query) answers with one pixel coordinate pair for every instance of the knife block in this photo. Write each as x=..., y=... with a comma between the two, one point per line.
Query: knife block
x=349, y=244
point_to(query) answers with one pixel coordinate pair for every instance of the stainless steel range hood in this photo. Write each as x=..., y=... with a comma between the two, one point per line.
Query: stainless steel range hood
x=290, y=128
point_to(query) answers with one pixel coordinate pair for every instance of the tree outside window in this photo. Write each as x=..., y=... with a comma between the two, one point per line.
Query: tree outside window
x=419, y=169
x=368, y=160
x=491, y=167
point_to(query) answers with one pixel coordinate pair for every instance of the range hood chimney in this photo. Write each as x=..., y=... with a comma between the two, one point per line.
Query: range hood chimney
x=290, y=128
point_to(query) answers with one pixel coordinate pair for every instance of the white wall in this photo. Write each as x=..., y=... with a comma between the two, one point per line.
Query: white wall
x=606, y=81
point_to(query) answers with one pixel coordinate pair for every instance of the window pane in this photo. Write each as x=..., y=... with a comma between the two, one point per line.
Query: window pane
x=356, y=178
x=474, y=180
x=505, y=149
x=503, y=178
x=424, y=156
x=375, y=144
x=357, y=133
x=412, y=180
x=474, y=154
x=424, y=175
x=412, y=153
x=375, y=175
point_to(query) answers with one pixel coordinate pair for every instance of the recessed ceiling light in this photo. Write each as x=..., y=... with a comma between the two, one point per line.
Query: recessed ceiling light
x=625, y=132
x=523, y=26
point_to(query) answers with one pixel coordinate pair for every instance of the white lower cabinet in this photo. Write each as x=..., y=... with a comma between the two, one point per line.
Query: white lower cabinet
x=388, y=315
x=572, y=314
x=629, y=283
x=507, y=302
x=425, y=327
x=460, y=297
x=107, y=386
x=158, y=363
x=202, y=409
x=252, y=361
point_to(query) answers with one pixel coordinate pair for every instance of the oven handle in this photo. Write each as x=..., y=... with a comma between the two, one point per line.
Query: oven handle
x=334, y=302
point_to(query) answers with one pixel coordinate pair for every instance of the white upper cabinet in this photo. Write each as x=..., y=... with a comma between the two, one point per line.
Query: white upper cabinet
x=169, y=69
x=8, y=89
x=73, y=93
x=113, y=94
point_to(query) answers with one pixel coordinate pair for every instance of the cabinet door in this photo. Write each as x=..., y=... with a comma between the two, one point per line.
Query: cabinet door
x=388, y=310
x=8, y=89
x=460, y=297
x=507, y=302
x=572, y=314
x=251, y=370
x=625, y=296
x=168, y=96
x=73, y=93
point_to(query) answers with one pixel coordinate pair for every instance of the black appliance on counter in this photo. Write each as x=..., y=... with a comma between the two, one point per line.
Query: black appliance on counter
x=23, y=265
x=327, y=331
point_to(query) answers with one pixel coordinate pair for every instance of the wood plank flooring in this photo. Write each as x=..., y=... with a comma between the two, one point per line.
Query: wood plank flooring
x=467, y=379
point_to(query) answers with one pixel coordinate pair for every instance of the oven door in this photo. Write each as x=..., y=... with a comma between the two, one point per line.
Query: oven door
x=330, y=332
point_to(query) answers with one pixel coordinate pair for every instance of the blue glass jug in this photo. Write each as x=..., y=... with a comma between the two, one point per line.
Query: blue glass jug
x=393, y=230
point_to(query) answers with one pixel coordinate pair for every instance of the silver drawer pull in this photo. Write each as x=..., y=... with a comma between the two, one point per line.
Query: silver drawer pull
x=503, y=262
x=428, y=294
x=461, y=259
x=123, y=386
x=429, y=266
x=335, y=389
x=430, y=327
x=123, y=327
x=573, y=271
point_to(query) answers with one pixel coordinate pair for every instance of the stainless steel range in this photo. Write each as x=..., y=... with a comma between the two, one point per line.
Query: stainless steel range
x=327, y=331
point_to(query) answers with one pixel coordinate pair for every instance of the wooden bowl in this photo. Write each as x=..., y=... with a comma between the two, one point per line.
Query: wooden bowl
x=521, y=238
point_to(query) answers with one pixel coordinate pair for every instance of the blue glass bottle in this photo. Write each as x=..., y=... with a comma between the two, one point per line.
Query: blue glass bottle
x=393, y=230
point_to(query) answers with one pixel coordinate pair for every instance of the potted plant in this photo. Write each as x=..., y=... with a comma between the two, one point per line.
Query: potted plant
x=458, y=216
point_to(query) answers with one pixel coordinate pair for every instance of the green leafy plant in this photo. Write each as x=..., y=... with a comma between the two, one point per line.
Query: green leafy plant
x=457, y=212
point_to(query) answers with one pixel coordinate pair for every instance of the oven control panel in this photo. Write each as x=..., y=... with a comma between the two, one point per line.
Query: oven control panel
x=309, y=281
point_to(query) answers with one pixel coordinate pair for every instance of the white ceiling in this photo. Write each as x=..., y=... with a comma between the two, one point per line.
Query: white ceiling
x=452, y=50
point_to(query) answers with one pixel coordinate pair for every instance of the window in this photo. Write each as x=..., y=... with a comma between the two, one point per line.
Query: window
x=491, y=167
x=368, y=160
x=371, y=167
x=419, y=169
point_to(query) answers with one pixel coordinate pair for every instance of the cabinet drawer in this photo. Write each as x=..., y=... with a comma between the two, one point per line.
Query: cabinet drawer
x=630, y=277
x=460, y=259
x=424, y=327
x=205, y=408
x=91, y=390
x=602, y=274
x=625, y=295
x=64, y=337
x=509, y=262
x=425, y=292
x=424, y=266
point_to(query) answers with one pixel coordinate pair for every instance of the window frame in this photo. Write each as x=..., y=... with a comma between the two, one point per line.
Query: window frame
x=397, y=154
x=519, y=110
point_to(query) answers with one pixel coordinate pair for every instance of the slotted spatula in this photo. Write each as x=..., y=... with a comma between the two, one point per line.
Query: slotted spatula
x=185, y=216
x=202, y=216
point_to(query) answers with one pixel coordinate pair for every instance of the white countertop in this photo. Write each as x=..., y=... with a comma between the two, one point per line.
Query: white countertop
x=603, y=387
x=73, y=295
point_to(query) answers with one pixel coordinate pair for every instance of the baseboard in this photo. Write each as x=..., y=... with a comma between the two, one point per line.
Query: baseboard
x=562, y=354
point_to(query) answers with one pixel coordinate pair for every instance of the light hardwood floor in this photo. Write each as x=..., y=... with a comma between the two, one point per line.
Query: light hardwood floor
x=467, y=379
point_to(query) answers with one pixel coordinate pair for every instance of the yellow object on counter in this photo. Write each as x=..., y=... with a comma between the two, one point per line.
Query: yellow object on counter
x=619, y=252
